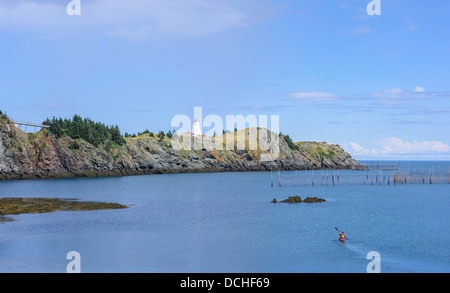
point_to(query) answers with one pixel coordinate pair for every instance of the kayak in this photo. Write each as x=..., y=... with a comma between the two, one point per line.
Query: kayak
x=342, y=239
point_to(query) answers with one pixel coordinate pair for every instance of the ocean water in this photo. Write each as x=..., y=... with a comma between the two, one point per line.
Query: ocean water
x=225, y=222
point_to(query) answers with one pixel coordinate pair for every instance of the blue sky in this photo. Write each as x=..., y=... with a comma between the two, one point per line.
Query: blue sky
x=377, y=85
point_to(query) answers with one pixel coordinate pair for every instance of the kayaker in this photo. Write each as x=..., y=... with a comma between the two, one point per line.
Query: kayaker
x=342, y=234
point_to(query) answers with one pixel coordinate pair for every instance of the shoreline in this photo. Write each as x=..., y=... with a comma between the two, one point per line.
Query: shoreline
x=121, y=173
x=43, y=155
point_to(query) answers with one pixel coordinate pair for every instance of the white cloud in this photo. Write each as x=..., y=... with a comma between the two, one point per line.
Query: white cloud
x=419, y=89
x=135, y=19
x=312, y=96
x=398, y=96
x=398, y=146
x=391, y=95
x=355, y=148
x=392, y=147
x=394, y=96
x=362, y=30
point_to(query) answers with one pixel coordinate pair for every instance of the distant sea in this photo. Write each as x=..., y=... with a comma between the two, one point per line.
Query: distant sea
x=225, y=222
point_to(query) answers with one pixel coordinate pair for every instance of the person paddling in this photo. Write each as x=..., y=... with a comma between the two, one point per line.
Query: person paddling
x=342, y=236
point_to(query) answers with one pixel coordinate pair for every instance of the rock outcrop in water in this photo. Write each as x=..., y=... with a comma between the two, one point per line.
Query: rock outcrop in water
x=298, y=199
x=41, y=155
x=18, y=205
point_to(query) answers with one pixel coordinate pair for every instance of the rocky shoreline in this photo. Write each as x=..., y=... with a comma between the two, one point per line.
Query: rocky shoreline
x=40, y=155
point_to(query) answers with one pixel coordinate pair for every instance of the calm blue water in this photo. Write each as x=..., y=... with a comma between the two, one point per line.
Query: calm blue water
x=224, y=222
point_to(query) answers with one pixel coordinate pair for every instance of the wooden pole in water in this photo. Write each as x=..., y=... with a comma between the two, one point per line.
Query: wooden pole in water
x=423, y=175
x=431, y=173
x=439, y=172
x=271, y=178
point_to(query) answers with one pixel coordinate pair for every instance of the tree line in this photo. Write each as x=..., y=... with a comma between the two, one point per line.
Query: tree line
x=95, y=133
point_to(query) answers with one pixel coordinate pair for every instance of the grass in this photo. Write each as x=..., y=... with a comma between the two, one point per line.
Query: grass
x=318, y=149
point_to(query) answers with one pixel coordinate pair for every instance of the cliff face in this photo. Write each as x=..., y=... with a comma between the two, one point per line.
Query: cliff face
x=41, y=155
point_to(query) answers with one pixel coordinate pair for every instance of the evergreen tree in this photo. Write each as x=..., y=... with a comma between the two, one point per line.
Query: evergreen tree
x=95, y=133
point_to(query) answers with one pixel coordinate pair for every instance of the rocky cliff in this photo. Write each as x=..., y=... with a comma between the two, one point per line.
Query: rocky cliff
x=41, y=155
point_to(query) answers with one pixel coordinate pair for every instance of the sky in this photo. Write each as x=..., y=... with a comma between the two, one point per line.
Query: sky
x=377, y=85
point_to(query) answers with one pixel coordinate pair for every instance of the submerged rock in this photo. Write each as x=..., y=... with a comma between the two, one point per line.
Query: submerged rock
x=17, y=205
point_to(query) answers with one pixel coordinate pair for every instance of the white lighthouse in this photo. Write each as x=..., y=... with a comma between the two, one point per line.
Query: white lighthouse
x=196, y=130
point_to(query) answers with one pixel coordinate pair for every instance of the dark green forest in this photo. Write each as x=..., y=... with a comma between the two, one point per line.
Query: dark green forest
x=95, y=133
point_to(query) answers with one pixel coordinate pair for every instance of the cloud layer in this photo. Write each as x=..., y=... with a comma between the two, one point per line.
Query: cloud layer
x=132, y=19
x=396, y=96
x=312, y=96
x=397, y=147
